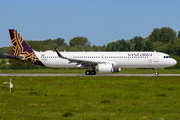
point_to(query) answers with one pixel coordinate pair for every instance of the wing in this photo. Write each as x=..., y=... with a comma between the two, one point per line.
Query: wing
x=79, y=61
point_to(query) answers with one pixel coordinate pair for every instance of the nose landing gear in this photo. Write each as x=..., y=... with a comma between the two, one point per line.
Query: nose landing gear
x=156, y=71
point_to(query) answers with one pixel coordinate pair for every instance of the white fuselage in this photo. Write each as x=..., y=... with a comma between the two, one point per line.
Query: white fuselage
x=118, y=59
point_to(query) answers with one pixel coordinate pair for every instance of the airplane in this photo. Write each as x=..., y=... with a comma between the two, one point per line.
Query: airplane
x=104, y=62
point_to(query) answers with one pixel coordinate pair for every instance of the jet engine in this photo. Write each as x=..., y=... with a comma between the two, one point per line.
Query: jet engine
x=107, y=68
x=116, y=70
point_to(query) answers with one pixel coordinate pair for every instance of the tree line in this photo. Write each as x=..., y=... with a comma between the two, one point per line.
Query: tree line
x=164, y=40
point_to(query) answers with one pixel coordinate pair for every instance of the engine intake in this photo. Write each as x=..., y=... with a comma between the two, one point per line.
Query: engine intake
x=116, y=70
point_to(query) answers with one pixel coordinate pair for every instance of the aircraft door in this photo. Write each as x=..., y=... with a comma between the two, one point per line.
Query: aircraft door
x=156, y=57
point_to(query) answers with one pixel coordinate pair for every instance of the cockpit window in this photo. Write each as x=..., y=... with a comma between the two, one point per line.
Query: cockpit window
x=167, y=56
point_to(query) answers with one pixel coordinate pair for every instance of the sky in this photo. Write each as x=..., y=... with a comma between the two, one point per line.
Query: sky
x=101, y=21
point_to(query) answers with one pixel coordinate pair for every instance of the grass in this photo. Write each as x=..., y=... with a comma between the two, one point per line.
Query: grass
x=91, y=98
x=82, y=71
x=47, y=70
x=4, y=59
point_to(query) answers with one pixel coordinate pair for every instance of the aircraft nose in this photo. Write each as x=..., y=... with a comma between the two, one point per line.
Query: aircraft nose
x=172, y=62
x=175, y=62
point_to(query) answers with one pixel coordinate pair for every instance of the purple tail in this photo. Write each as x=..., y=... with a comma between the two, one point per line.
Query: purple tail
x=21, y=48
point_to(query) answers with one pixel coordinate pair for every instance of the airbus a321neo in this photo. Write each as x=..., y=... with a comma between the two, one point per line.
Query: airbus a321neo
x=106, y=62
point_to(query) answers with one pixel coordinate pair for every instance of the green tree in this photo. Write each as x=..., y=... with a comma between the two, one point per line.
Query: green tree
x=169, y=49
x=46, y=42
x=136, y=39
x=3, y=61
x=51, y=46
x=123, y=45
x=73, y=49
x=98, y=48
x=179, y=33
x=138, y=42
x=113, y=46
x=139, y=46
x=164, y=35
x=176, y=46
x=37, y=45
x=109, y=46
x=148, y=46
x=79, y=41
x=59, y=41
x=119, y=45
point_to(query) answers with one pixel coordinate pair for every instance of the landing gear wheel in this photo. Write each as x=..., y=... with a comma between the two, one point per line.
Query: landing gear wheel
x=93, y=72
x=87, y=72
x=156, y=73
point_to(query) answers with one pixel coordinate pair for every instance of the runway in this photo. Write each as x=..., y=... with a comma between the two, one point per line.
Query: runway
x=22, y=74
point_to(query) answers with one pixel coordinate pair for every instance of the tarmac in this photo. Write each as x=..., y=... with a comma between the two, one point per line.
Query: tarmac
x=19, y=74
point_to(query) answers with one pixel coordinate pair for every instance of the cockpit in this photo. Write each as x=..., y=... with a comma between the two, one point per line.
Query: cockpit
x=167, y=56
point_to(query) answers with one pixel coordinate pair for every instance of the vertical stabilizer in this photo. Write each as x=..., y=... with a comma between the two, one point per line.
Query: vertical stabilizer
x=21, y=48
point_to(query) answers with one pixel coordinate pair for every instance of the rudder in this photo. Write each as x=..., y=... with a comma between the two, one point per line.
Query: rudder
x=21, y=47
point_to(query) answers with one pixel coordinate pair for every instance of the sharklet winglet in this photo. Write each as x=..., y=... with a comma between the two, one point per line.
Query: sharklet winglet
x=58, y=53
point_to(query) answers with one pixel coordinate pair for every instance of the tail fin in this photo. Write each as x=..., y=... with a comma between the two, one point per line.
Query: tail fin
x=21, y=48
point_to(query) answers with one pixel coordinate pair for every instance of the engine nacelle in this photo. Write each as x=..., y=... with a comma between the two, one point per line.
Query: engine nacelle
x=116, y=69
x=106, y=68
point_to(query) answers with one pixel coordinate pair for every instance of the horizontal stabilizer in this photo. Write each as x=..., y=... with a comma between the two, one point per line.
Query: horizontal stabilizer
x=14, y=56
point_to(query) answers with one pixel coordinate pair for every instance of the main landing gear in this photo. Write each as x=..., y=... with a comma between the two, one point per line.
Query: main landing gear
x=156, y=71
x=90, y=72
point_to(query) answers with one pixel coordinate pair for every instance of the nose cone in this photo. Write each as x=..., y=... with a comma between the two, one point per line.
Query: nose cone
x=175, y=62
x=172, y=62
